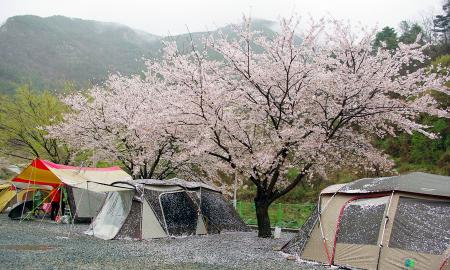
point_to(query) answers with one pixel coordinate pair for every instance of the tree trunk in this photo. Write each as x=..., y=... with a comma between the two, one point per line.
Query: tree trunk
x=262, y=216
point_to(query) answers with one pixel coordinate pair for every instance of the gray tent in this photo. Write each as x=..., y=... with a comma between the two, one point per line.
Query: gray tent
x=400, y=222
x=145, y=209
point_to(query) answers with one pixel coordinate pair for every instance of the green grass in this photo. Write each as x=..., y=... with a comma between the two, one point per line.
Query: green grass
x=281, y=214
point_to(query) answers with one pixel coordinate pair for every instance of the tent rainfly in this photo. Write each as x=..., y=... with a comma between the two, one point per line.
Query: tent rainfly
x=7, y=194
x=84, y=185
x=146, y=209
x=12, y=196
x=399, y=222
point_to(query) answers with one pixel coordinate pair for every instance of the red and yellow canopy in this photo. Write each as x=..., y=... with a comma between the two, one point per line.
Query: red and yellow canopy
x=43, y=172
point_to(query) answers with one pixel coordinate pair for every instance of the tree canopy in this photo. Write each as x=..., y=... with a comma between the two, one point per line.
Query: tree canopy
x=289, y=105
x=388, y=36
x=22, y=118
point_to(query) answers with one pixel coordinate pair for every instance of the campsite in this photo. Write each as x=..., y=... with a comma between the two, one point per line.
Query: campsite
x=50, y=246
x=225, y=134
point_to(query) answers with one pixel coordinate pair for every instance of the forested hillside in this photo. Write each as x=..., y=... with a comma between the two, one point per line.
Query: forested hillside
x=48, y=53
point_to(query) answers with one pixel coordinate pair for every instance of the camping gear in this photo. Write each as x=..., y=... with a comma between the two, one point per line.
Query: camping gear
x=37, y=197
x=144, y=209
x=11, y=194
x=83, y=185
x=46, y=207
x=399, y=222
x=19, y=208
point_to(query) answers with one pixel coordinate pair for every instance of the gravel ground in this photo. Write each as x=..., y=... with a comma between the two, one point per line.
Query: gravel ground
x=35, y=245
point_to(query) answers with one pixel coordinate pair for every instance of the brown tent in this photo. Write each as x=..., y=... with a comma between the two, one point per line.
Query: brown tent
x=400, y=222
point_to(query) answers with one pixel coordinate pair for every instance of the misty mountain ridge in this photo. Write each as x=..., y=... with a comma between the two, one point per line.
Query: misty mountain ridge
x=49, y=52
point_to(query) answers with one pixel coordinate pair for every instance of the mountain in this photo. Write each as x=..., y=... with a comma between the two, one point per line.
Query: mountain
x=50, y=52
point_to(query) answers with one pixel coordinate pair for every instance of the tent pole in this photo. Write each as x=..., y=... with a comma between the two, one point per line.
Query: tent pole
x=26, y=194
x=386, y=220
x=205, y=222
x=142, y=212
x=324, y=240
x=45, y=212
x=320, y=211
x=77, y=206
x=60, y=204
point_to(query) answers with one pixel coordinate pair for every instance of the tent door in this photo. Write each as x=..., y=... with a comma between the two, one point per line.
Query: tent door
x=201, y=228
x=358, y=232
x=151, y=228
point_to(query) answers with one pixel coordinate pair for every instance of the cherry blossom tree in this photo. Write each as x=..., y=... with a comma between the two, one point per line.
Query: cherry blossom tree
x=304, y=102
x=123, y=120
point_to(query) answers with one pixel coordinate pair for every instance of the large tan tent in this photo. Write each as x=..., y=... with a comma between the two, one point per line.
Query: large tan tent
x=400, y=222
x=144, y=209
x=84, y=185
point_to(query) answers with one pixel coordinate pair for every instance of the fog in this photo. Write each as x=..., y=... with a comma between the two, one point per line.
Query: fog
x=174, y=16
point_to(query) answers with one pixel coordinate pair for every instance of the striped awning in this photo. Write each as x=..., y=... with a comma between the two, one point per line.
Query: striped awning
x=43, y=172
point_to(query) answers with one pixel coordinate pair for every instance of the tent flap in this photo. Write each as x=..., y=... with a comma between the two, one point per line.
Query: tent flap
x=112, y=215
x=151, y=228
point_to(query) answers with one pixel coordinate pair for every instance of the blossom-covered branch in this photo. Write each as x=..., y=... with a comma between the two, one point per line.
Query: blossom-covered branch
x=306, y=101
x=124, y=120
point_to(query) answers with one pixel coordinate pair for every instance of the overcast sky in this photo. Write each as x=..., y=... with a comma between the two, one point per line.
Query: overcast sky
x=171, y=16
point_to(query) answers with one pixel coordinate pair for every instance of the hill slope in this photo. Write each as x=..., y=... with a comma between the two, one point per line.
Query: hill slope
x=50, y=51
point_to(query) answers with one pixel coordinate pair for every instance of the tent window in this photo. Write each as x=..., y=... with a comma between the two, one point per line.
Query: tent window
x=361, y=221
x=180, y=213
x=421, y=226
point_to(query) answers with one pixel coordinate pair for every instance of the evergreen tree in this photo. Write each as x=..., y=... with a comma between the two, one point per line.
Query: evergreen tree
x=442, y=22
x=410, y=31
x=387, y=36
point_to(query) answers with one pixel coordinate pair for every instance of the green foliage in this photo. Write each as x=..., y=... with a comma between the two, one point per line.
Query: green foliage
x=22, y=117
x=388, y=36
x=280, y=214
x=444, y=62
x=410, y=31
x=46, y=52
x=304, y=192
x=442, y=22
x=416, y=152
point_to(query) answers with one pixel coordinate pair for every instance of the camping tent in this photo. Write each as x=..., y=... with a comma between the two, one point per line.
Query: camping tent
x=7, y=194
x=13, y=193
x=400, y=222
x=84, y=185
x=145, y=209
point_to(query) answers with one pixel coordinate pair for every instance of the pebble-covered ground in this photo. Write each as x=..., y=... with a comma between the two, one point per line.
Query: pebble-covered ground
x=45, y=245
